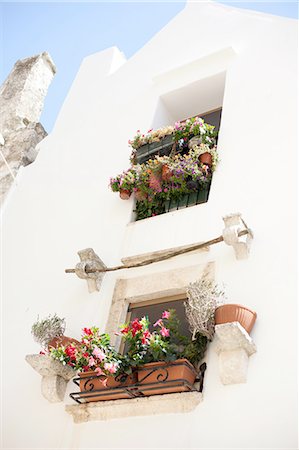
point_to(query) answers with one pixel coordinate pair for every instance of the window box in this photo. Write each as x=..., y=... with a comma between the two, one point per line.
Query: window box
x=161, y=148
x=152, y=379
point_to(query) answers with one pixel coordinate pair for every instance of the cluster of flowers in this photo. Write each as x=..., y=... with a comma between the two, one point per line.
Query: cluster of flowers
x=167, y=176
x=149, y=137
x=195, y=126
x=94, y=353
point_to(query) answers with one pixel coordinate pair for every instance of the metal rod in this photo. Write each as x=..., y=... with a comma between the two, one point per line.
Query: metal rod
x=162, y=258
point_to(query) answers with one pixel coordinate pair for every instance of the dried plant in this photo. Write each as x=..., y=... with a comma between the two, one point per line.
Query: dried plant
x=45, y=330
x=203, y=297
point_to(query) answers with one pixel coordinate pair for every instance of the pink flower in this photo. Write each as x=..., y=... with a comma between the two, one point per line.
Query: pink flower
x=145, y=337
x=164, y=331
x=166, y=315
x=104, y=382
x=98, y=353
x=158, y=323
x=111, y=367
x=91, y=361
x=99, y=371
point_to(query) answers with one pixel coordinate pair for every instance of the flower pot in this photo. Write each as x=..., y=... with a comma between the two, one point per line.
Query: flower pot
x=166, y=377
x=114, y=389
x=124, y=194
x=235, y=313
x=206, y=158
x=140, y=195
x=62, y=341
x=166, y=173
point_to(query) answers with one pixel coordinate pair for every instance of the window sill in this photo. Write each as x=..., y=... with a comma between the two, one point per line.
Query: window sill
x=141, y=406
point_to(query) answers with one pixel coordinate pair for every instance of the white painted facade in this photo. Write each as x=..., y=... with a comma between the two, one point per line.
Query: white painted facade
x=209, y=55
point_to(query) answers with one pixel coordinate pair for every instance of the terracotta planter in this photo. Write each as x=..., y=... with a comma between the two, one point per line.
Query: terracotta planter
x=124, y=194
x=235, y=313
x=166, y=173
x=140, y=196
x=206, y=158
x=166, y=377
x=112, y=391
x=62, y=340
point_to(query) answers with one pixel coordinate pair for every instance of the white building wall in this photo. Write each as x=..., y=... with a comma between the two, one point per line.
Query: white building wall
x=62, y=204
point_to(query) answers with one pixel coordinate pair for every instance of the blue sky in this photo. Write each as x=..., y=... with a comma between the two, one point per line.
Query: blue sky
x=69, y=31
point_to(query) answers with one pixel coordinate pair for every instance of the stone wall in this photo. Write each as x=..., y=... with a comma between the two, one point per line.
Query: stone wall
x=21, y=102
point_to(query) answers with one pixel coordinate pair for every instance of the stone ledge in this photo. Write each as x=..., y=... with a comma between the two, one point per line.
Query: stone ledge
x=142, y=406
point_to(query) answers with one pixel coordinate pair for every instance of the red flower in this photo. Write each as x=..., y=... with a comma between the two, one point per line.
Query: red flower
x=71, y=351
x=42, y=353
x=86, y=355
x=125, y=330
x=86, y=368
x=136, y=326
x=87, y=331
x=145, y=337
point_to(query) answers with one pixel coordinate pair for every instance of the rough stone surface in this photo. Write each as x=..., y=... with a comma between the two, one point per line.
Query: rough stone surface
x=47, y=366
x=54, y=376
x=241, y=245
x=233, y=366
x=21, y=102
x=22, y=93
x=53, y=388
x=234, y=346
x=142, y=406
x=90, y=260
x=232, y=336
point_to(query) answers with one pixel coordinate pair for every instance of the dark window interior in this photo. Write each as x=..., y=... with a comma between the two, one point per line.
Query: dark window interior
x=213, y=118
x=154, y=312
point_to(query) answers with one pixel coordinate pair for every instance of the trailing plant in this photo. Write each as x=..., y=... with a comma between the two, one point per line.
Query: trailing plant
x=45, y=330
x=94, y=353
x=203, y=297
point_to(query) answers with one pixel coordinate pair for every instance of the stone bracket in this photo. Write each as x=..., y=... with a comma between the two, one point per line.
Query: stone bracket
x=55, y=376
x=234, y=346
x=233, y=225
x=90, y=260
x=139, y=406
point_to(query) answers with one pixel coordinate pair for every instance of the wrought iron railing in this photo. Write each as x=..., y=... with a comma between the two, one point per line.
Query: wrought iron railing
x=161, y=385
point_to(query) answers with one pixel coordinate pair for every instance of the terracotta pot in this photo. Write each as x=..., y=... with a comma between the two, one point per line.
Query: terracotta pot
x=139, y=195
x=166, y=173
x=62, y=340
x=124, y=194
x=235, y=313
x=206, y=158
x=101, y=392
x=166, y=377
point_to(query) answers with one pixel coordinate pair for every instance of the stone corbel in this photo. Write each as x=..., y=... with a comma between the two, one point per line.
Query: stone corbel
x=90, y=260
x=233, y=225
x=55, y=376
x=234, y=346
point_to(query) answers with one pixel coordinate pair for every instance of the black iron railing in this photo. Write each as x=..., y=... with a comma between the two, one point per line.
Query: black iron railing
x=161, y=385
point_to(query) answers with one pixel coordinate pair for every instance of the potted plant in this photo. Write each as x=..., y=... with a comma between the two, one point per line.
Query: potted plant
x=98, y=364
x=49, y=332
x=205, y=308
x=161, y=355
x=167, y=182
x=203, y=298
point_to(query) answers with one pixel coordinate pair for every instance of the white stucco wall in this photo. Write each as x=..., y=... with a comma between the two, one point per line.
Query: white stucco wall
x=62, y=204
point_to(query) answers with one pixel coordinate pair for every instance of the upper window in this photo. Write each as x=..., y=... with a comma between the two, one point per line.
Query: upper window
x=171, y=167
